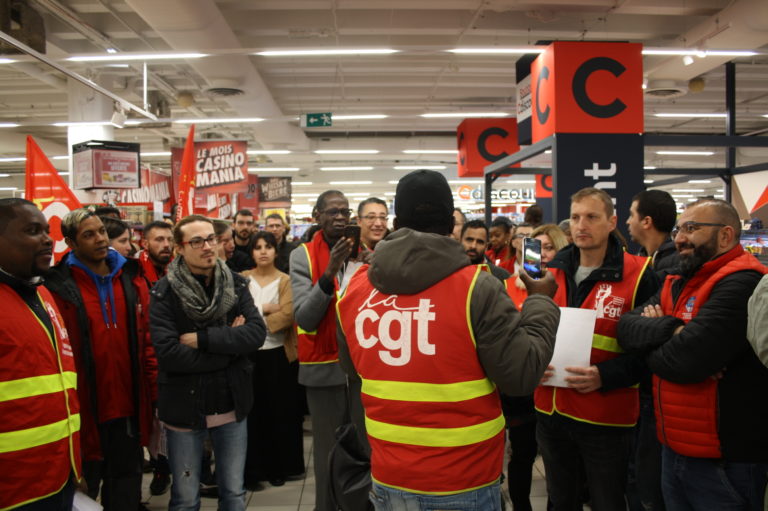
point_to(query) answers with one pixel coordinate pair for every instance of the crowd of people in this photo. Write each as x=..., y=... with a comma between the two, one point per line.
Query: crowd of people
x=208, y=344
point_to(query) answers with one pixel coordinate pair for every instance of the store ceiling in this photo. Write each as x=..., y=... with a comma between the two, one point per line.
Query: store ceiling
x=423, y=77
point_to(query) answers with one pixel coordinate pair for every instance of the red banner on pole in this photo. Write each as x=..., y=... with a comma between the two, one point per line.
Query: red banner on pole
x=45, y=187
x=186, y=202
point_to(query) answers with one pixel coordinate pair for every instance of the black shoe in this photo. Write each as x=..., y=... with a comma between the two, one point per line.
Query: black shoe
x=254, y=486
x=160, y=483
x=296, y=477
x=277, y=481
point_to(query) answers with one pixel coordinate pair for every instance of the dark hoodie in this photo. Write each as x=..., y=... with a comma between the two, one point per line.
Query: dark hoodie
x=513, y=348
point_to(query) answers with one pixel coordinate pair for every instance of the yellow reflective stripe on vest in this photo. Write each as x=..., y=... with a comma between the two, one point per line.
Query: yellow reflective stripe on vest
x=301, y=331
x=41, y=435
x=435, y=437
x=37, y=385
x=605, y=343
x=428, y=392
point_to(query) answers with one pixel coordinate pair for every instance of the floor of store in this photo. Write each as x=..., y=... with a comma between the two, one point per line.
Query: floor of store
x=300, y=495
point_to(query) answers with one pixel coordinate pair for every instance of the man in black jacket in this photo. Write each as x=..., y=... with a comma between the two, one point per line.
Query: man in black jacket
x=203, y=325
x=474, y=239
x=651, y=218
x=709, y=386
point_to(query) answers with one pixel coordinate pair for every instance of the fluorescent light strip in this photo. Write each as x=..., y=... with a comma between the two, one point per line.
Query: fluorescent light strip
x=650, y=167
x=497, y=51
x=389, y=194
x=9, y=125
x=152, y=155
x=60, y=157
x=116, y=57
x=351, y=182
x=301, y=183
x=692, y=115
x=9, y=188
x=221, y=121
x=273, y=169
x=688, y=190
x=681, y=52
x=5, y=175
x=420, y=167
x=329, y=52
x=686, y=153
x=431, y=151
x=83, y=123
x=347, y=151
x=357, y=117
x=464, y=115
x=699, y=181
x=681, y=196
x=268, y=151
x=334, y=169
x=7, y=61
x=647, y=181
x=393, y=182
x=13, y=159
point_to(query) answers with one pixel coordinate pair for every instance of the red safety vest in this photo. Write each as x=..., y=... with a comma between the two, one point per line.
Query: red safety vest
x=433, y=418
x=40, y=426
x=319, y=346
x=618, y=407
x=687, y=414
x=518, y=295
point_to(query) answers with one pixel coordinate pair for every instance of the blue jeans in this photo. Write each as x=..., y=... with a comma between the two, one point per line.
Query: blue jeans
x=487, y=498
x=693, y=484
x=185, y=454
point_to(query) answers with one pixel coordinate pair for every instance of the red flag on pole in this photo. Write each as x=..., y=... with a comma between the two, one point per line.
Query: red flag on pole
x=186, y=199
x=45, y=187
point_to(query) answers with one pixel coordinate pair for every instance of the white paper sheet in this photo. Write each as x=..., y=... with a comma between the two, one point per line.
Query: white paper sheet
x=573, y=343
x=83, y=502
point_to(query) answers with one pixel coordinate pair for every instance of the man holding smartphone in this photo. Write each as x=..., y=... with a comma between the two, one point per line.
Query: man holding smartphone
x=317, y=273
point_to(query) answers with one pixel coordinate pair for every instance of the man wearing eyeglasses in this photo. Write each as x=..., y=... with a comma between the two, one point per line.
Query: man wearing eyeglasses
x=372, y=215
x=204, y=324
x=709, y=386
x=103, y=299
x=317, y=271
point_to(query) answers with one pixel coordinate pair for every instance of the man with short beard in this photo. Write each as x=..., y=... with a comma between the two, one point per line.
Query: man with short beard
x=244, y=223
x=708, y=383
x=474, y=239
x=158, y=250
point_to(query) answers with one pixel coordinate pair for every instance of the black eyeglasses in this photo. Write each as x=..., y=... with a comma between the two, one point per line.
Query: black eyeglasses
x=198, y=243
x=345, y=212
x=691, y=227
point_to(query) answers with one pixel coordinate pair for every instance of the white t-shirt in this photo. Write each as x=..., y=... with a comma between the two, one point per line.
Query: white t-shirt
x=267, y=294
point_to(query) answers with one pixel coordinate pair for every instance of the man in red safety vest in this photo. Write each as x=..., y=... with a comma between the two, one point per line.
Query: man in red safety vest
x=584, y=431
x=709, y=386
x=431, y=337
x=40, y=430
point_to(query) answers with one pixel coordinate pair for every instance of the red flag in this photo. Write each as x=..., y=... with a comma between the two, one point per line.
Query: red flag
x=45, y=187
x=186, y=199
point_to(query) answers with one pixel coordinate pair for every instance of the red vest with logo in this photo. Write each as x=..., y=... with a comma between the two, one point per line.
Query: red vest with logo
x=687, y=414
x=319, y=346
x=618, y=407
x=40, y=426
x=518, y=295
x=433, y=418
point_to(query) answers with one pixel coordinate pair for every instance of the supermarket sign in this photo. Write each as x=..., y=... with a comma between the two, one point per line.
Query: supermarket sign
x=468, y=193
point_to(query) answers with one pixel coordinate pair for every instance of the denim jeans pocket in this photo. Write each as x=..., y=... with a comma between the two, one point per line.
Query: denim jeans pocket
x=723, y=470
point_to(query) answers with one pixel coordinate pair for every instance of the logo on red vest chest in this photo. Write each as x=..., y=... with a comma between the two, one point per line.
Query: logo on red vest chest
x=382, y=319
x=688, y=314
x=66, y=348
x=607, y=305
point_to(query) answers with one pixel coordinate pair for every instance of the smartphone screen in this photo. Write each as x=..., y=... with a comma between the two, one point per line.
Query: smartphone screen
x=532, y=257
x=353, y=232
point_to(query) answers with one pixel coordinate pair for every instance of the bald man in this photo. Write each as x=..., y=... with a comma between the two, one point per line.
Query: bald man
x=709, y=385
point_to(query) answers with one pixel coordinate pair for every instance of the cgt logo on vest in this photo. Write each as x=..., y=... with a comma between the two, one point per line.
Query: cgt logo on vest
x=607, y=306
x=581, y=87
x=372, y=328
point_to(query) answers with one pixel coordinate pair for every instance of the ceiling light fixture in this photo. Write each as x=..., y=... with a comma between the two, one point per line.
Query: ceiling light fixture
x=699, y=181
x=431, y=151
x=357, y=117
x=347, y=151
x=9, y=125
x=301, y=183
x=688, y=190
x=253, y=170
x=233, y=120
x=686, y=153
x=448, y=115
x=685, y=115
x=151, y=155
x=333, y=169
x=268, y=151
x=649, y=167
x=7, y=61
x=9, y=188
x=420, y=167
x=114, y=57
x=393, y=182
x=5, y=175
x=81, y=123
x=498, y=51
x=328, y=52
x=13, y=159
x=647, y=181
x=681, y=52
x=351, y=182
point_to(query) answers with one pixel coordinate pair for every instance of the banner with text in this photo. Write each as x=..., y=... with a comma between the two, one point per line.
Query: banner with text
x=222, y=165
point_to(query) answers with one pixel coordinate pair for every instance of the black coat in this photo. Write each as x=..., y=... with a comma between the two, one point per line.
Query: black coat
x=189, y=377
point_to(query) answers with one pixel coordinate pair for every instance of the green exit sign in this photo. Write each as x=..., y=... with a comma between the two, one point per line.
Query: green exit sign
x=321, y=120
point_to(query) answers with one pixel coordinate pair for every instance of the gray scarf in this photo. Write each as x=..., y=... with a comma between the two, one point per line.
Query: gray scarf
x=194, y=300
